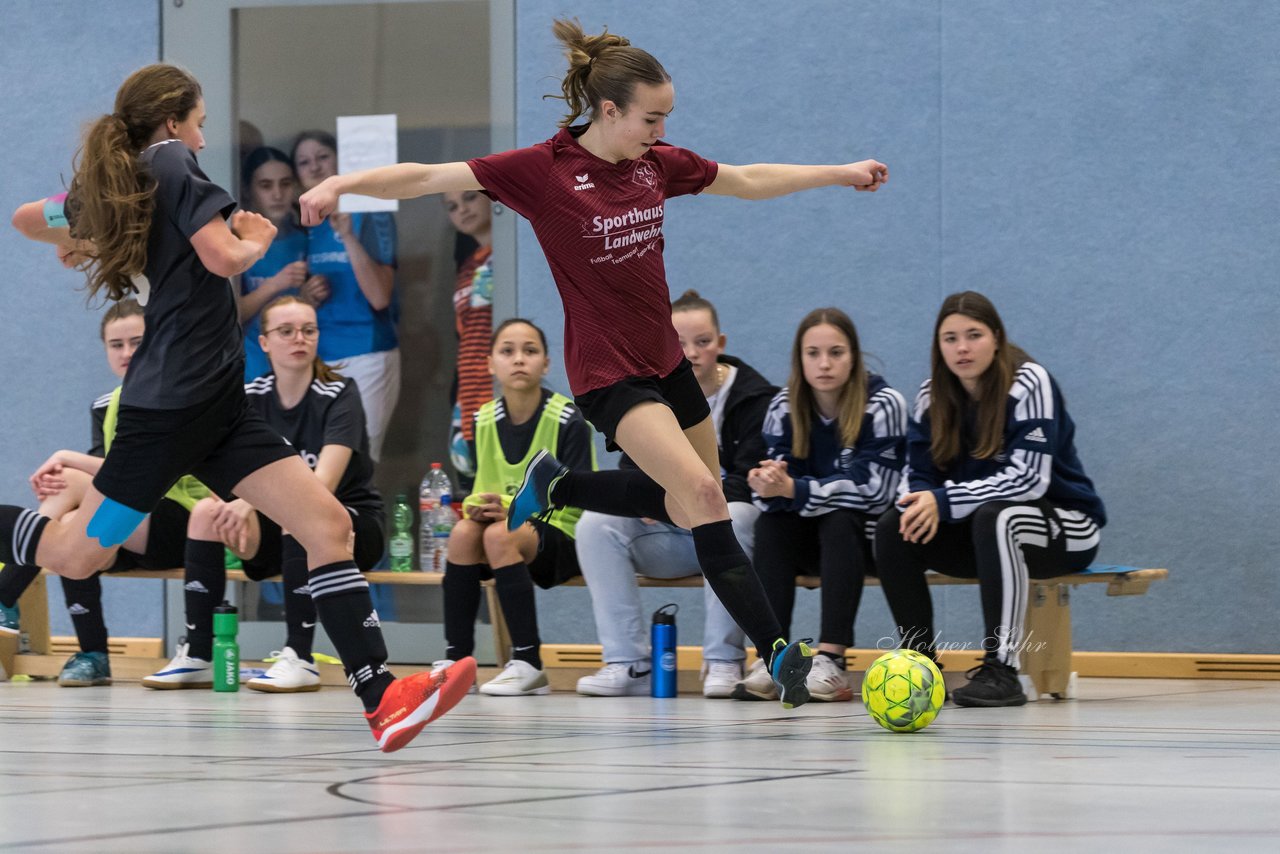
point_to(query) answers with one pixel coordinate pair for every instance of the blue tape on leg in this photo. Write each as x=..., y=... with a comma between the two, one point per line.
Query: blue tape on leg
x=113, y=523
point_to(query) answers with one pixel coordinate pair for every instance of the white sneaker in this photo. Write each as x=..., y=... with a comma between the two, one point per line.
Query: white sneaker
x=517, y=679
x=826, y=682
x=288, y=675
x=441, y=664
x=618, y=679
x=757, y=686
x=719, y=677
x=182, y=672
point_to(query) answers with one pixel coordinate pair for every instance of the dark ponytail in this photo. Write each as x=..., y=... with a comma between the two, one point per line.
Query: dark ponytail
x=602, y=67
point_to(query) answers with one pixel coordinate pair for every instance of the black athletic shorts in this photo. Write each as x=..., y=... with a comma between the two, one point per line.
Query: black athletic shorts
x=678, y=390
x=267, y=562
x=221, y=441
x=557, y=558
x=166, y=540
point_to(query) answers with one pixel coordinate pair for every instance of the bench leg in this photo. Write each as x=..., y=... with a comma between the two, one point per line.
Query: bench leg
x=1046, y=652
x=501, y=637
x=34, y=605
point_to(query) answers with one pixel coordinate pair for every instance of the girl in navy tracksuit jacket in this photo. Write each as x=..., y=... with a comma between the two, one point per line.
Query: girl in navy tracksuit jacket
x=994, y=490
x=836, y=438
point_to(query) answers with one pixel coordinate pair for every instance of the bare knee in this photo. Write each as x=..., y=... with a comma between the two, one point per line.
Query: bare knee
x=497, y=538
x=706, y=494
x=200, y=521
x=466, y=542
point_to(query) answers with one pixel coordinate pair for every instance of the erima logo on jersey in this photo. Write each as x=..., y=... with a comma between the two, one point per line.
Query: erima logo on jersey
x=583, y=182
x=371, y=621
x=1037, y=435
x=77, y=610
x=196, y=587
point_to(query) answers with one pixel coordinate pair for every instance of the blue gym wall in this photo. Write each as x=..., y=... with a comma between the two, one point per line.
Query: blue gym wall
x=1106, y=172
x=60, y=64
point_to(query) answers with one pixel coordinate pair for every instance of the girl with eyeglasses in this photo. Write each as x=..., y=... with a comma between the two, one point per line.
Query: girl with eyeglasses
x=319, y=413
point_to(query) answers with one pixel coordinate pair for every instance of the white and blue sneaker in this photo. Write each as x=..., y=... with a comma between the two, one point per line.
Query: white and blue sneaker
x=534, y=497
x=288, y=675
x=182, y=672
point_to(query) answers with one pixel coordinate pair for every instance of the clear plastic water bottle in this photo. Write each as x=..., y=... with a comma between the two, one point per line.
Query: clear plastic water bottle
x=442, y=522
x=441, y=485
x=401, y=545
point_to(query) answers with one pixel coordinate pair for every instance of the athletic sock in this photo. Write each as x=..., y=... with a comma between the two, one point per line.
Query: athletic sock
x=84, y=603
x=461, y=605
x=341, y=594
x=735, y=584
x=299, y=607
x=836, y=658
x=20, y=532
x=625, y=492
x=14, y=581
x=515, y=593
x=206, y=584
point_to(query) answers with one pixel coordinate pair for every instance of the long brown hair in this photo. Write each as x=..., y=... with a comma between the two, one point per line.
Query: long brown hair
x=602, y=67
x=949, y=400
x=111, y=195
x=853, y=397
x=320, y=369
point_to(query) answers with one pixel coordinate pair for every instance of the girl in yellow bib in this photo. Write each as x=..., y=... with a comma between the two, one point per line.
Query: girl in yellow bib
x=509, y=431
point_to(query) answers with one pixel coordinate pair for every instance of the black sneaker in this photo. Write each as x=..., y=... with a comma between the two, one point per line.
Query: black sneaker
x=991, y=683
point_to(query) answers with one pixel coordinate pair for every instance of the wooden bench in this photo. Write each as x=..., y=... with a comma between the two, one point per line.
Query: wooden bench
x=42, y=659
x=1046, y=661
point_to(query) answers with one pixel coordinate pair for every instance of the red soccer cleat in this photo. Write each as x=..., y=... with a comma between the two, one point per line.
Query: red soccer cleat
x=415, y=701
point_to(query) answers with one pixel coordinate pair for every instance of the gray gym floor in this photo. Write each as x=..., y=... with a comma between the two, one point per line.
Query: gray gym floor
x=1131, y=765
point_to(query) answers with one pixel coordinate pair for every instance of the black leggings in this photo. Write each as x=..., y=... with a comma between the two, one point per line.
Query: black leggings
x=836, y=545
x=1003, y=544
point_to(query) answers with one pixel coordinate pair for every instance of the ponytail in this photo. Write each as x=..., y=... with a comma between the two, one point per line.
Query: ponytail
x=602, y=67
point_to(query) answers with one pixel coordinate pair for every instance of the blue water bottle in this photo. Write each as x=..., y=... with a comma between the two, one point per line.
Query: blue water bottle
x=662, y=640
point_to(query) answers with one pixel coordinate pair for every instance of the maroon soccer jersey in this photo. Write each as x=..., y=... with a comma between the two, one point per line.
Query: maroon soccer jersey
x=600, y=226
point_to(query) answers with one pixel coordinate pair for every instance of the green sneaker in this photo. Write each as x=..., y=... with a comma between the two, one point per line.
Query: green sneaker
x=9, y=620
x=85, y=669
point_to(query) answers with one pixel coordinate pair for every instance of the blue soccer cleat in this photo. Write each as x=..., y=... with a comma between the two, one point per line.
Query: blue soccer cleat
x=790, y=668
x=534, y=496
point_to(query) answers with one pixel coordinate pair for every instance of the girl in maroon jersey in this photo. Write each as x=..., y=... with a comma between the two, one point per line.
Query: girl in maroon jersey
x=595, y=195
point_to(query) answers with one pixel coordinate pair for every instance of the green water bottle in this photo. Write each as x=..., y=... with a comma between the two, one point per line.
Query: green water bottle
x=401, y=545
x=226, y=652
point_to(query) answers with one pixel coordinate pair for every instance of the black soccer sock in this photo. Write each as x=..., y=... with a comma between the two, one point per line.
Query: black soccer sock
x=20, y=532
x=341, y=594
x=461, y=605
x=299, y=607
x=515, y=593
x=206, y=584
x=836, y=658
x=625, y=492
x=84, y=603
x=735, y=584
x=14, y=581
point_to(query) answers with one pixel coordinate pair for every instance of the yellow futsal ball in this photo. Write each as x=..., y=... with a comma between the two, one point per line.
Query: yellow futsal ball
x=903, y=690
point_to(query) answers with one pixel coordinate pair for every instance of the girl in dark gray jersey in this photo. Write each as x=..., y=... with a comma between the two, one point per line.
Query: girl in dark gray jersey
x=142, y=217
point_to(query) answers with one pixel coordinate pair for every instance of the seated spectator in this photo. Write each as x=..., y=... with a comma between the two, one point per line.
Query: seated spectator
x=994, y=490
x=319, y=413
x=60, y=485
x=836, y=438
x=509, y=432
x=613, y=550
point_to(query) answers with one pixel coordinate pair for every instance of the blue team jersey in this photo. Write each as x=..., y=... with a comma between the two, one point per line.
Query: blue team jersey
x=290, y=245
x=349, y=325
